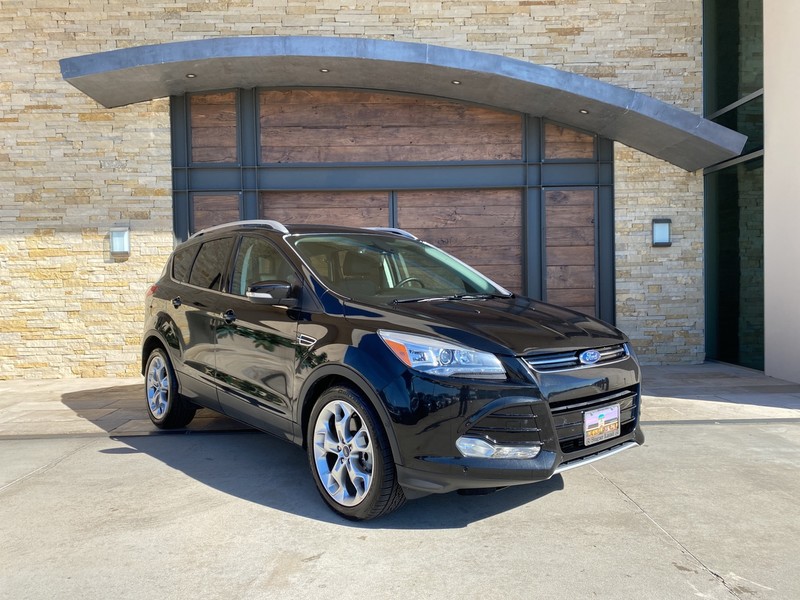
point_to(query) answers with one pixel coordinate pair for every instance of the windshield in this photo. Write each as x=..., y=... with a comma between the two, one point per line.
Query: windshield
x=383, y=268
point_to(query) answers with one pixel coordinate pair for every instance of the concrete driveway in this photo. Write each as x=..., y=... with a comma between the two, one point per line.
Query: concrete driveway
x=95, y=504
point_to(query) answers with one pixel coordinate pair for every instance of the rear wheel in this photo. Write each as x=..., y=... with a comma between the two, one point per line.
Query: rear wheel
x=166, y=408
x=350, y=456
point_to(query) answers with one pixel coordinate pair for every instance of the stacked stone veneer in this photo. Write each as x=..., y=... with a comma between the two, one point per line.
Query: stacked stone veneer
x=660, y=290
x=70, y=169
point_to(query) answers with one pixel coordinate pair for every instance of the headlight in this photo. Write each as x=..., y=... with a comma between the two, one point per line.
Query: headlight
x=439, y=357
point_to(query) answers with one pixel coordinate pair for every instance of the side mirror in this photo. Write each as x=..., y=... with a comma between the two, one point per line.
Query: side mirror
x=271, y=293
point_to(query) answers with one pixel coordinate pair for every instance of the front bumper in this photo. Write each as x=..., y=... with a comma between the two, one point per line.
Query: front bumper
x=549, y=413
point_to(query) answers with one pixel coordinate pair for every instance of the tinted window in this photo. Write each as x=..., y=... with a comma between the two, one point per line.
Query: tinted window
x=372, y=267
x=258, y=260
x=209, y=266
x=182, y=262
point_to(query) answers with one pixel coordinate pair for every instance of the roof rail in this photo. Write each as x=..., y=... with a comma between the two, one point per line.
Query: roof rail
x=395, y=231
x=274, y=225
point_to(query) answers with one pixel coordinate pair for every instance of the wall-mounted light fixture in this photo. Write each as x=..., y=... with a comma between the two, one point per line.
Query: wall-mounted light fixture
x=120, y=238
x=662, y=232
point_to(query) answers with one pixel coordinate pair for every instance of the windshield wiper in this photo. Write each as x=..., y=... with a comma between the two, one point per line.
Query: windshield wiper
x=422, y=299
x=453, y=297
x=479, y=296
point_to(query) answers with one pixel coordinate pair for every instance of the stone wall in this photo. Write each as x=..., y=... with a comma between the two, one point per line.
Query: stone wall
x=660, y=290
x=71, y=169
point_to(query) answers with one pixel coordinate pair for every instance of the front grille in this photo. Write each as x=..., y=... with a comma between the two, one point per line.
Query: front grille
x=568, y=416
x=514, y=425
x=563, y=361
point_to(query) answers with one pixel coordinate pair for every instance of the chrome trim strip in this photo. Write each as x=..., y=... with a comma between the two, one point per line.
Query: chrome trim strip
x=594, y=457
x=274, y=225
x=306, y=340
x=571, y=361
x=394, y=230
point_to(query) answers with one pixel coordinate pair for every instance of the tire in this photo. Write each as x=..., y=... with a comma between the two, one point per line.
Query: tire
x=165, y=406
x=345, y=432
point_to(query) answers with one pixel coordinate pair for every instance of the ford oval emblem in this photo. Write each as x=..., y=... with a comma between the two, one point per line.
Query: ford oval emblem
x=589, y=357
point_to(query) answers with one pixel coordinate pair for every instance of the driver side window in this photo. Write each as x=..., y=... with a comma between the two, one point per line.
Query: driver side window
x=256, y=261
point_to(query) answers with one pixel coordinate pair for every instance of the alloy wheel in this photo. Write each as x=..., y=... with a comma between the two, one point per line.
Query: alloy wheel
x=158, y=383
x=343, y=453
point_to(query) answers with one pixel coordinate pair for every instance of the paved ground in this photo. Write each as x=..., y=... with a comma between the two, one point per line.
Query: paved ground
x=95, y=504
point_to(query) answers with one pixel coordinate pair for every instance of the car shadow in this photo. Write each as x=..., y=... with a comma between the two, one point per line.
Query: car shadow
x=264, y=470
x=235, y=459
x=120, y=410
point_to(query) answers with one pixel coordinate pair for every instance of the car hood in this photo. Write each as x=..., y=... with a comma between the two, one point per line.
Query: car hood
x=515, y=325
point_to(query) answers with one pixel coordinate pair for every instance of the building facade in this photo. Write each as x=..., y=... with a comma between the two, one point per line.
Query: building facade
x=457, y=171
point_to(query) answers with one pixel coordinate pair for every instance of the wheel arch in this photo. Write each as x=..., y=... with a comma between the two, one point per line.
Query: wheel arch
x=330, y=376
x=151, y=341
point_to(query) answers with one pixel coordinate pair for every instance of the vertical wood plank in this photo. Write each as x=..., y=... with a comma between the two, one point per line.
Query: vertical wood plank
x=570, y=235
x=213, y=123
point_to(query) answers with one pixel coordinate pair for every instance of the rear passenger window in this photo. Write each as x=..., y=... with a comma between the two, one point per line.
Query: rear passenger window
x=182, y=262
x=209, y=266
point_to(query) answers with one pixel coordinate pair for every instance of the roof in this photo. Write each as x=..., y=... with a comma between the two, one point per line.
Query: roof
x=130, y=75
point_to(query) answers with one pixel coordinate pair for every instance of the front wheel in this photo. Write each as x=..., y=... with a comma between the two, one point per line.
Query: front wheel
x=350, y=457
x=166, y=408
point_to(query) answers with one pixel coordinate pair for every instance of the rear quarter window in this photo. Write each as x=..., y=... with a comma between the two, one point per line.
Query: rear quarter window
x=182, y=263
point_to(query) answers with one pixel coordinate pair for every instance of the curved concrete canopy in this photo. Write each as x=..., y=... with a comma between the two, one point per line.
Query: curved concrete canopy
x=130, y=75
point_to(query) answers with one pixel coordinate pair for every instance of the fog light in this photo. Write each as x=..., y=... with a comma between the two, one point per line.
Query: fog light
x=472, y=447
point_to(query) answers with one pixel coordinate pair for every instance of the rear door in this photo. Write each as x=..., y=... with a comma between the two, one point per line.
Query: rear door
x=197, y=310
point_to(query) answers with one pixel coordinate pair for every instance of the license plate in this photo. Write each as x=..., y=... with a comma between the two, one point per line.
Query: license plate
x=600, y=424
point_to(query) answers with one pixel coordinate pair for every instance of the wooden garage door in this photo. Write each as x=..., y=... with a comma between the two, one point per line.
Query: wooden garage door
x=481, y=227
x=353, y=209
x=570, y=248
x=315, y=130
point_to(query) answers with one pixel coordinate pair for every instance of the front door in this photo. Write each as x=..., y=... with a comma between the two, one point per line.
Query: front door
x=256, y=344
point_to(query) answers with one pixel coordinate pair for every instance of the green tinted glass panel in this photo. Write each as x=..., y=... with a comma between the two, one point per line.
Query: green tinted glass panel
x=733, y=50
x=735, y=264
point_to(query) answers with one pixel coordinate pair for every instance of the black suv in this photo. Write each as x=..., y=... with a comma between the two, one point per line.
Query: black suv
x=401, y=370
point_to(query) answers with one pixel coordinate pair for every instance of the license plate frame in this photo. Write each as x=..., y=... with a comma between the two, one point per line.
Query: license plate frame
x=601, y=424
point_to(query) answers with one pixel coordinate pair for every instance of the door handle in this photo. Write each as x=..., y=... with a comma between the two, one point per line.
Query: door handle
x=229, y=316
x=176, y=302
x=306, y=340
